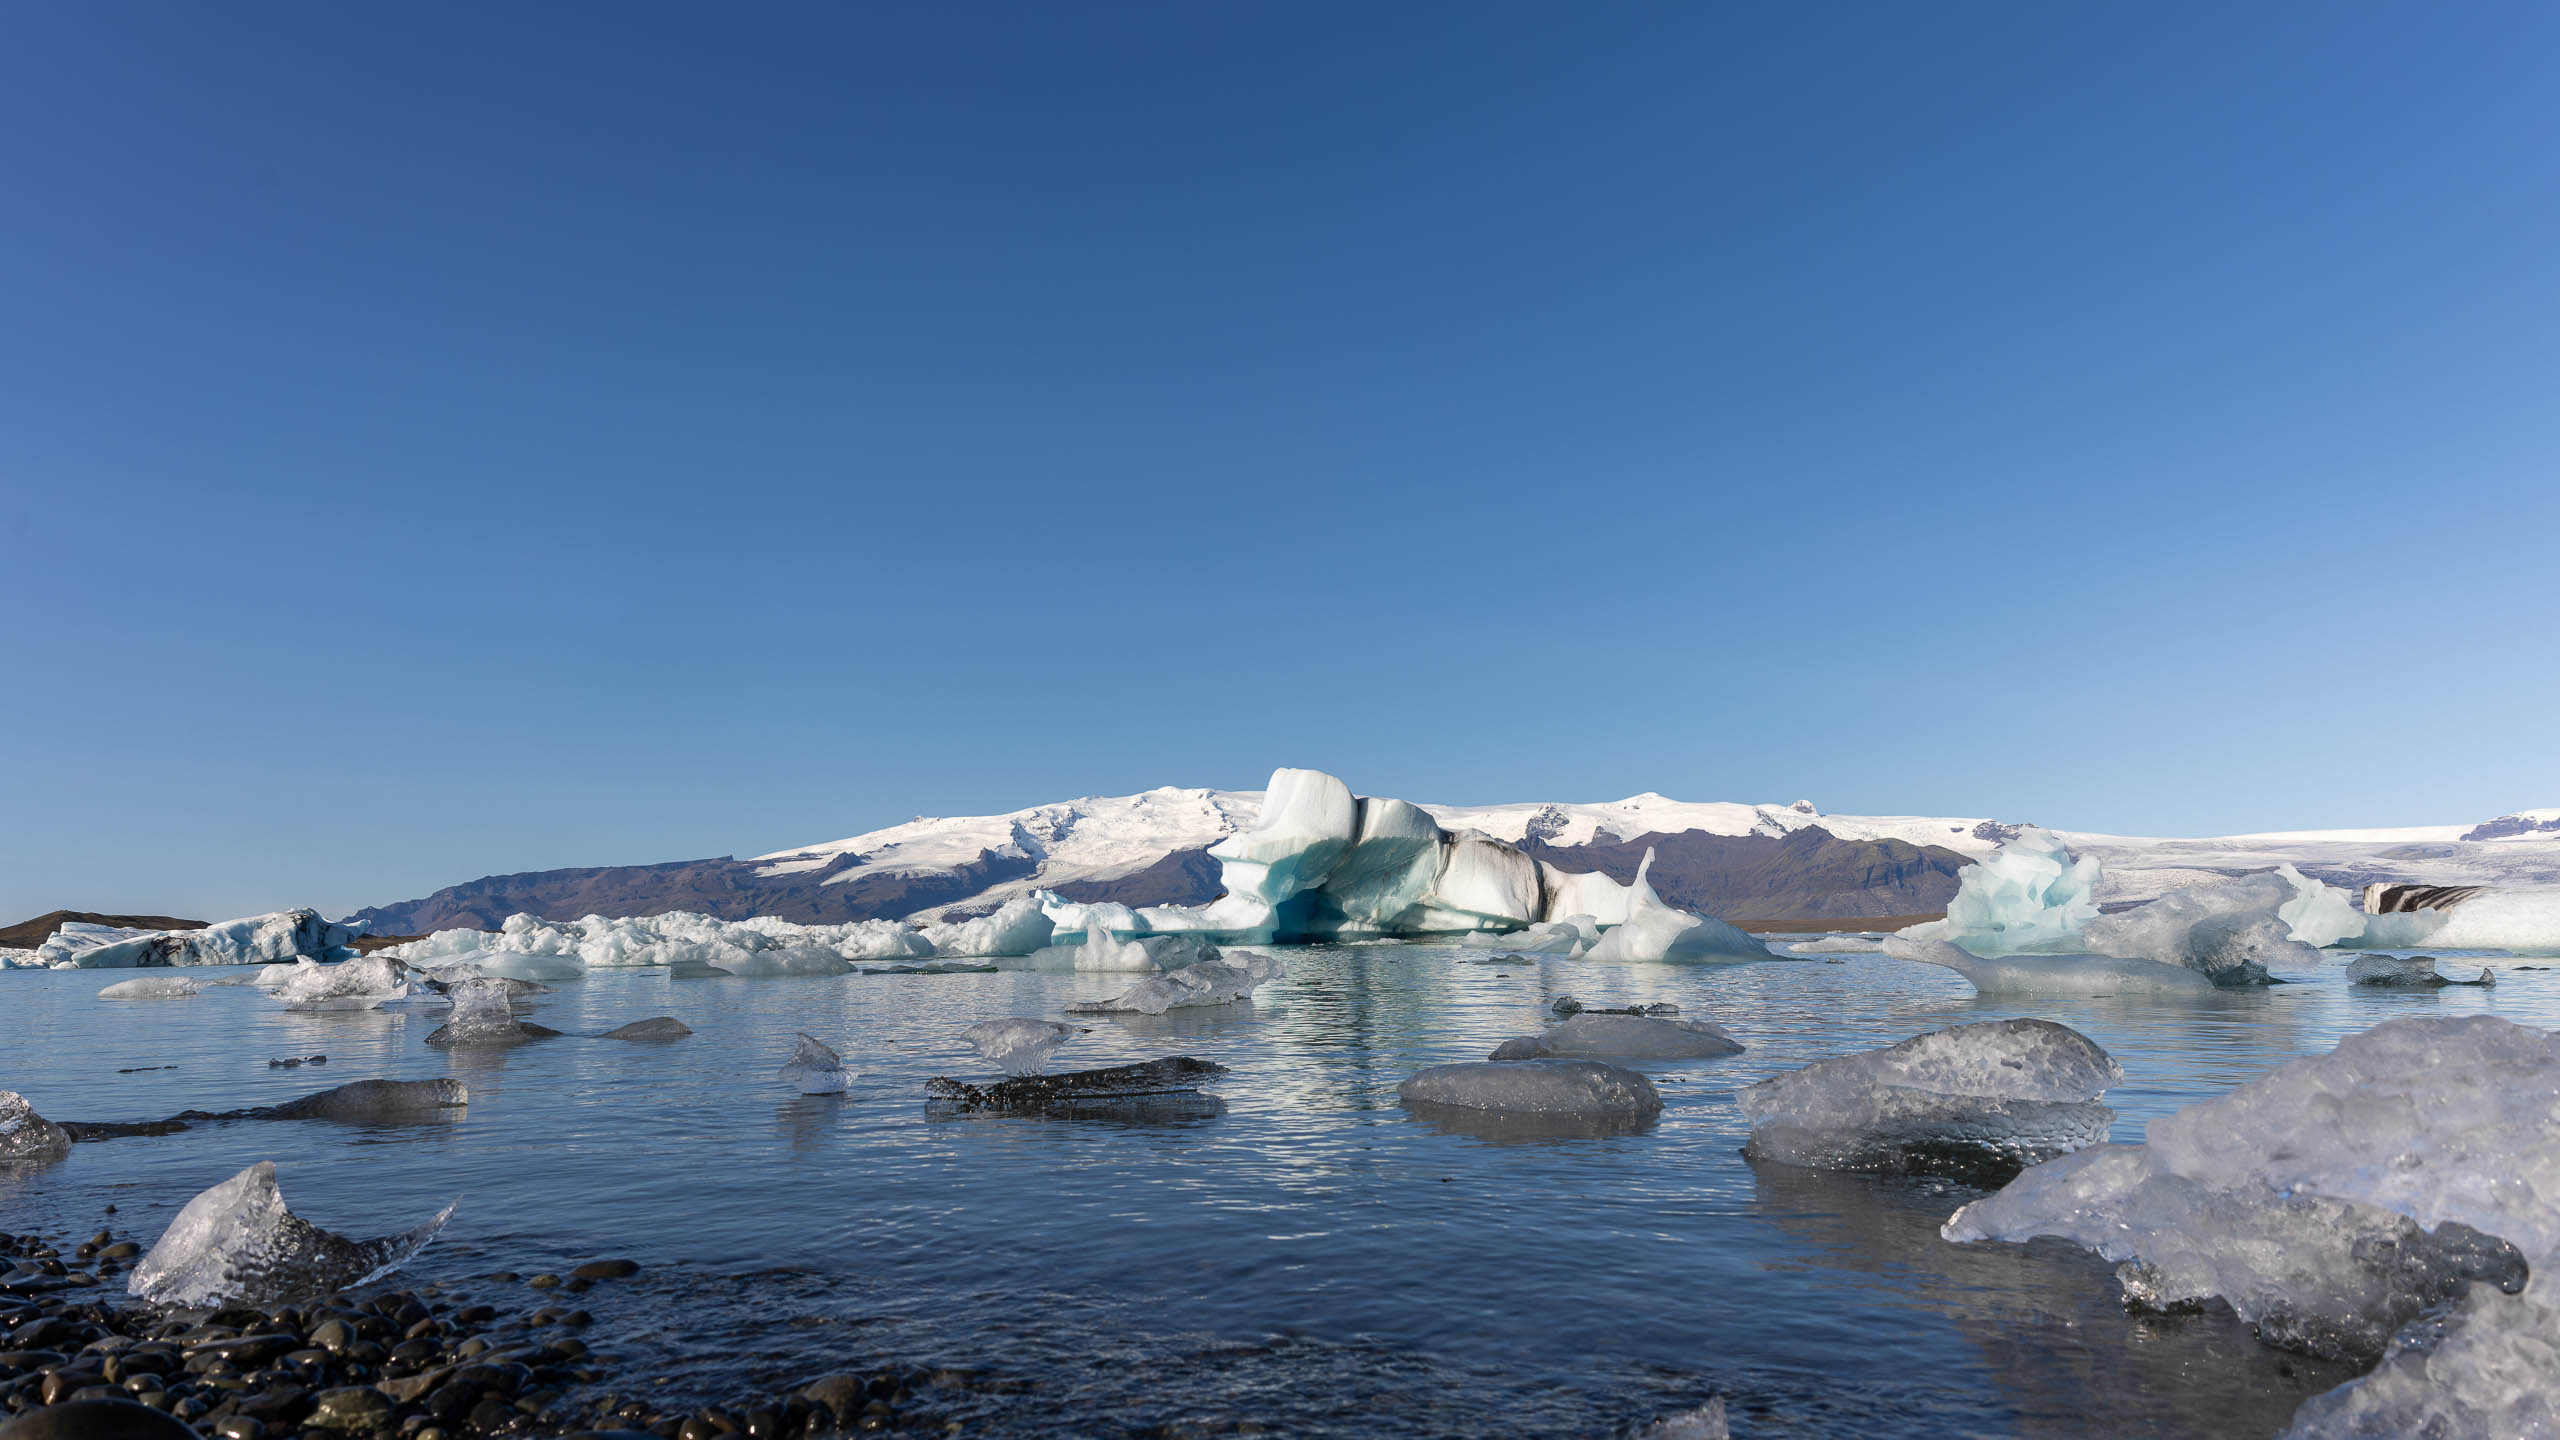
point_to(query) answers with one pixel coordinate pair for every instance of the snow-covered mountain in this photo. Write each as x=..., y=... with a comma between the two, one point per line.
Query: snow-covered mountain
x=1767, y=864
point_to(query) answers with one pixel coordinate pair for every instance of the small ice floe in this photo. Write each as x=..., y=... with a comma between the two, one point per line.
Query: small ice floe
x=1142, y=1088
x=1707, y=1422
x=789, y=960
x=1569, y=1005
x=1535, y=1087
x=1547, y=937
x=815, y=1068
x=1838, y=945
x=659, y=1027
x=153, y=987
x=1619, y=1036
x=934, y=967
x=1019, y=1046
x=27, y=1138
x=1210, y=982
x=347, y=985
x=2054, y=974
x=1655, y=931
x=237, y=1244
x=2337, y=1199
x=1974, y=1101
x=484, y=1014
x=2412, y=972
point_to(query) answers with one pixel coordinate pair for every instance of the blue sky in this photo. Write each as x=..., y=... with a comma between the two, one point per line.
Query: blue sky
x=451, y=440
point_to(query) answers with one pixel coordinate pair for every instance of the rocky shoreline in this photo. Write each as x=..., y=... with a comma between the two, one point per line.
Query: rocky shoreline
x=81, y=1361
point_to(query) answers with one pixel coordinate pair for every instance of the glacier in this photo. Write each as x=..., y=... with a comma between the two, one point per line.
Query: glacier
x=237, y=1244
x=1969, y=1100
x=2346, y=1204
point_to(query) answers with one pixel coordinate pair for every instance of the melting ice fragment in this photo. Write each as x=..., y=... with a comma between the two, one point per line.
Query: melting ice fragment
x=2332, y=1200
x=657, y=1027
x=1655, y=931
x=27, y=1137
x=2412, y=972
x=1582, y=1088
x=237, y=1244
x=484, y=1014
x=2230, y=934
x=152, y=987
x=1547, y=937
x=1622, y=1037
x=1115, y=1087
x=2029, y=895
x=1017, y=927
x=348, y=985
x=1211, y=982
x=1019, y=1046
x=2053, y=974
x=815, y=1068
x=1970, y=1100
x=2483, y=1372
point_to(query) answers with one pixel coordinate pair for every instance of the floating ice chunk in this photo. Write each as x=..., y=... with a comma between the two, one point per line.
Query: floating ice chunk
x=2052, y=974
x=2523, y=921
x=2030, y=895
x=2483, y=1372
x=261, y=977
x=27, y=1137
x=1587, y=895
x=1016, y=927
x=1707, y=1422
x=2230, y=934
x=1547, y=937
x=2408, y=972
x=1655, y=931
x=371, y=1102
x=1116, y=1087
x=1102, y=952
x=1019, y=1046
x=2318, y=914
x=658, y=1027
x=252, y=940
x=1622, y=1037
x=1967, y=1100
x=237, y=1244
x=484, y=1014
x=1210, y=982
x=815, y=1069
x=351, y=985
x=2286, y=1196
x=151, y=987
x=790, y=960
x=1838, y=945
x=1535, y=1087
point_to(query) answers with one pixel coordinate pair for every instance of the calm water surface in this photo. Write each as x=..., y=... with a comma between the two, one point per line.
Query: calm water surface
x=1310, y=1261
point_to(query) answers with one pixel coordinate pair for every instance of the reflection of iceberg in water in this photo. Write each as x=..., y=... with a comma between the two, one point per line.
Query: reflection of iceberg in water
x=2056, y=1342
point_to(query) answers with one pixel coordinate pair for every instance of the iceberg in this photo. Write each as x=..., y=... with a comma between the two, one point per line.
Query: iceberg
x=534, y=948
x=2524, y=921
x=1547, y=937
x=2318, y=915
x=2230, y=934
x=253, y=940
x=2030, y=895
x=1484, y=884
x=348, y=985
x=2053, y=975
x=1019, y=1046
x=26, y=1137
x=237, y=1244
x=1590, y=1036
x=1579, y=1088
x=1655, y=931
x=2332, y=1201
x=152, y=987
x=815, y=1068
x=1145, y=954
x=1391, y=864
x=1309, y=820
x=2408, y=972
x=484, y=1014
x=1968, y=1101
x=1210, y=982
x=1016, y=927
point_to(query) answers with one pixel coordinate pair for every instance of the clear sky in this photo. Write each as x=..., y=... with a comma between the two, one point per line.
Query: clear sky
x=439, y=440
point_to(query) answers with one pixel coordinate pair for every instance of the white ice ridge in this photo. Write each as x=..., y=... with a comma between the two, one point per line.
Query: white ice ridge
x=2337, y=1198
x=815, y=1068
x=152, y=987
x=2523, y=921
x=1981, y=1097
x=1622, y=1037
x=1210, y=982
x=237, y=1244
x=1578, y=1088
x=253, y=940
x=1655, y=931
x=1020, y=1046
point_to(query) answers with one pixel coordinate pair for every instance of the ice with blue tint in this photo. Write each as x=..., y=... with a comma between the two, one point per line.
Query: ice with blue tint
x=2031, y=895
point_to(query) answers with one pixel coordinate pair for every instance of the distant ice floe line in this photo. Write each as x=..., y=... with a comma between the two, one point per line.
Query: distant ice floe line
x=2393, y=1198
x=283, y=936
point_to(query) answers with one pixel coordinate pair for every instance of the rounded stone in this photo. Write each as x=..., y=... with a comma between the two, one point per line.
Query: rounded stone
x=96, y=1420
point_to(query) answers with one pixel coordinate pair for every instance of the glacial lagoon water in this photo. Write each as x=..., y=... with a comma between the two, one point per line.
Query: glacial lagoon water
x=1310, y=1261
